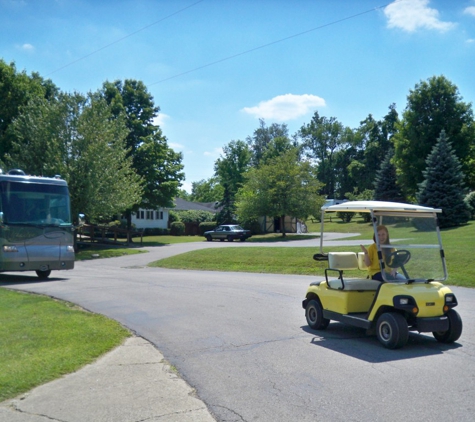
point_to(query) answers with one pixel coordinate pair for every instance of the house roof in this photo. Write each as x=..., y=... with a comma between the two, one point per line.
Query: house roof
x=182, y=205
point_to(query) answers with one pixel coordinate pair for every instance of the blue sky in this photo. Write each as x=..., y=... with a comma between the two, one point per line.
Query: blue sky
x=214, y=67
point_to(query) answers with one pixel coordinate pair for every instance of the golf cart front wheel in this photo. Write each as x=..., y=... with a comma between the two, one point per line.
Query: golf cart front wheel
x=314, y=315
x=454, y=331
x=392, y=330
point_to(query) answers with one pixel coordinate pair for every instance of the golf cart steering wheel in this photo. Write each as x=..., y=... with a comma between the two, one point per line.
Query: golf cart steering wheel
x=398, y=258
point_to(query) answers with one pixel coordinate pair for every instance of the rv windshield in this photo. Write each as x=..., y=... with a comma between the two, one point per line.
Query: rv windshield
x=34, y=203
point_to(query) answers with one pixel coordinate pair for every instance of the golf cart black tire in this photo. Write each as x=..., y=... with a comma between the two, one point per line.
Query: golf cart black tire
x=43, y=274
x=314, y=315
x=230, y=238
x=392, y=330
x=455, y=329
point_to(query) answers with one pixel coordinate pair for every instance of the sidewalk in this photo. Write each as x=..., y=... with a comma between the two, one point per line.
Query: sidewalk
x=131, y=383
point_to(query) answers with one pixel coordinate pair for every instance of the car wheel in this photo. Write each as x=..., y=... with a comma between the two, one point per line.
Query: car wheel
x=314, y=315
x=454, y=331
x=209, y=238
x=230, y=238
x=392, y=330
x=43, y=274
x=242, y=239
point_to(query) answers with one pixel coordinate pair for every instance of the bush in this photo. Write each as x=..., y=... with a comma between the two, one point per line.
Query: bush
x=173, y=216
x=346, y=217
x=206, y=226
x=177, y=228
x=470, y=201
x=156, y=232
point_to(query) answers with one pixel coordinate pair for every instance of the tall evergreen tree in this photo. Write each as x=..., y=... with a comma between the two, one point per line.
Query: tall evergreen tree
x=443, y=185
x=385, y=184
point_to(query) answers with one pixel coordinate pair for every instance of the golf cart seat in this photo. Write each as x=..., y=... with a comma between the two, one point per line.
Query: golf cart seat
x=338, y=262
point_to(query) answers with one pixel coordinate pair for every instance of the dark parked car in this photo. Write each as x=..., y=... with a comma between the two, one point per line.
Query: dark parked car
x=228, y=232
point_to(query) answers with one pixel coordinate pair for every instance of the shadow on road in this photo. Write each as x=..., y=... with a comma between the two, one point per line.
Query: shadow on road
x=13, y=279
x=354, y=342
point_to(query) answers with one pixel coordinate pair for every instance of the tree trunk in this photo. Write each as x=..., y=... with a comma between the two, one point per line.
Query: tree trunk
x=282, y=225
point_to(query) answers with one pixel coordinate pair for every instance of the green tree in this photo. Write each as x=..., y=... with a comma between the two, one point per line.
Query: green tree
x=76, y=138
x=208, y=190
x=16, y=90
x=386, y=187
x=443, y=184
x=153, y=160
x=268, y=142
x=321, y=139
x=231, y=168
x=283, y=186
x=375, y=142
x=432, y=106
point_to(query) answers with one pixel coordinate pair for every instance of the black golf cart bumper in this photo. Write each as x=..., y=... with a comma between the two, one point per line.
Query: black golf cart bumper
x=426, y=325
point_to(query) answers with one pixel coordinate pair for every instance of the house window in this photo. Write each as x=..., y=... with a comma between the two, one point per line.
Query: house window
x=159, y=215
x=149, y=215
x=141, y=214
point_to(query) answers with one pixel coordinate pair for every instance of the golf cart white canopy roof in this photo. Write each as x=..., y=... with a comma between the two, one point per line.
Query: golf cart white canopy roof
x=367, y=206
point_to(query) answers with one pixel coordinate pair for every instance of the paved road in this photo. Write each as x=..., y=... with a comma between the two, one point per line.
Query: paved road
x=241, y=340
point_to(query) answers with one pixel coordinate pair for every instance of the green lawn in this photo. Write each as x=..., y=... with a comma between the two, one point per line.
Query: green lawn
x=42, y=339
x=458, y=244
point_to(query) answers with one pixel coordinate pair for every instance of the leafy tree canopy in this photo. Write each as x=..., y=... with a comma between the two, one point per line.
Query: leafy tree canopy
x=432, y=106
x=284, y=186
x=16, y=90
x=76, y=138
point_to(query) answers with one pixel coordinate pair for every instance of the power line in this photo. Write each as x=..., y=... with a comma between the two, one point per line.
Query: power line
x=123, y=38
x=272, y=43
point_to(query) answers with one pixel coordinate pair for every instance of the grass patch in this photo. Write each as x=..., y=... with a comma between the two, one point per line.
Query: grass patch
x=458, y=244
x=256, y=259
x=42, y=339
x=97, y=251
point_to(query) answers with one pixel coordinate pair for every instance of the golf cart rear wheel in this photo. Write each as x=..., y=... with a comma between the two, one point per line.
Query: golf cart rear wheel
x=314, y=315
x=392, y=330
x=454, y=331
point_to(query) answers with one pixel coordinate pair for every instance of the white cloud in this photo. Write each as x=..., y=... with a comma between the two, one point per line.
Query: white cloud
x=161, y=119
x=176, y=147
x=285, y=107
x=215, y=153
x=27, y=47
x=410, y=15
x=186, y=186
x=470, y=10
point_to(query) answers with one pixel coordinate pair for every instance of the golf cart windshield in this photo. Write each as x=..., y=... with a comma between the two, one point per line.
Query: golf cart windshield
x=414, y=251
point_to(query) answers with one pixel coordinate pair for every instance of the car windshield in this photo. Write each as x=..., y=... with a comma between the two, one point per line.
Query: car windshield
x=414, y=250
